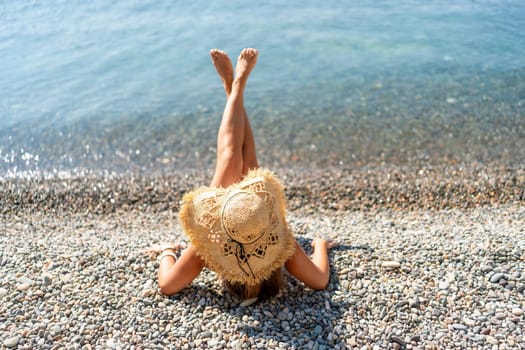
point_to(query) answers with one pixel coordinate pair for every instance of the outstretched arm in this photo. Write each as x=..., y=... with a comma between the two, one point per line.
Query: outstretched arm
x=175, y=274
x=314, y=272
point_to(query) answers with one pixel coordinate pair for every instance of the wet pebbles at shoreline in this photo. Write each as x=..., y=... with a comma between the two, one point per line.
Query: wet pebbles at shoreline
x=363, y=188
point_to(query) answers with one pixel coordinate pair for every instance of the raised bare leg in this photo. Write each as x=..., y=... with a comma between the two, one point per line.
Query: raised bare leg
x=248, y=149
x=232, y=134
x=224, y=68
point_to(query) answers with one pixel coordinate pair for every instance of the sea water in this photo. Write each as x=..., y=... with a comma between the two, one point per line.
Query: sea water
x=128, y=86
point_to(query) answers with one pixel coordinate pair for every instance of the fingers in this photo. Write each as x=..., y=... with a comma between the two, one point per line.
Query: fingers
x=332, y=244
x=158, y=248
x=327, y=243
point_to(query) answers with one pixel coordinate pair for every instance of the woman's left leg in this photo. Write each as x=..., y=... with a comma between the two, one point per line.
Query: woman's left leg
x=235, y=144
x=248, y=148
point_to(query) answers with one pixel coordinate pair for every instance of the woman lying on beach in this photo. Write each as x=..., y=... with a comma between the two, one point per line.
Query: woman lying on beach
x=237, y=225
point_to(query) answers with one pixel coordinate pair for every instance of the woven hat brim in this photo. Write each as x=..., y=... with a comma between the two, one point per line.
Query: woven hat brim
x=199, y=235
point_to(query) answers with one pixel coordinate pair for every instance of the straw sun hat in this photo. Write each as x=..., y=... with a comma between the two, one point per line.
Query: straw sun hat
x=240, y=232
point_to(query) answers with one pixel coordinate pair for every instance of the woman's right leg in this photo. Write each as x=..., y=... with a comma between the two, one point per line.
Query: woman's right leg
x=224, y=68
x=235, y=143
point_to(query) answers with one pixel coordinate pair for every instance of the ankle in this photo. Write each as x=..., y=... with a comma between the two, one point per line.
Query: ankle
x=238, y=83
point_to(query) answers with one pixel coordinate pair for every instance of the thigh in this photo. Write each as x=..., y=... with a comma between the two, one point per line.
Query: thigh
x=228, y=170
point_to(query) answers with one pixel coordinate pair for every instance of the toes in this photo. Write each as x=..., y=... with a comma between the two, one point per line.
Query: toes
x=224, y=54
x=248, y=53
x=253, y=53
x=243, y=53
x=217, y=54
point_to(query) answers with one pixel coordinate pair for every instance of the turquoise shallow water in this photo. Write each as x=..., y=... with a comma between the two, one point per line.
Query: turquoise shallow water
x=128, y=87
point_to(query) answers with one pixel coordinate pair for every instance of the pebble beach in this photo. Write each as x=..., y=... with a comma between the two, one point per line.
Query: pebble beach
x=428, y=258
x=397, y=130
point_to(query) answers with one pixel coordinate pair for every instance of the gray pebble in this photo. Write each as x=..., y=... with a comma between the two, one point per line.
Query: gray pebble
x=11, y=342
x=459, y=327
x=391, y=264
x=25, y=280
x=491, y=340
x=56, y=330
x=213, y=342
x=206, y=335
x=23, y=286
x=511, y=326
x=501, y=316
x=469, y=322
x=268, y=314
x=443, y=285
x=516, y=311
x=248, y=302
x=495, y=278
x=46, y=280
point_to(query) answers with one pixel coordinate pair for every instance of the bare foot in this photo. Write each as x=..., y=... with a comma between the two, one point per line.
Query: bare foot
x=224, y=68
x=245, y=63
